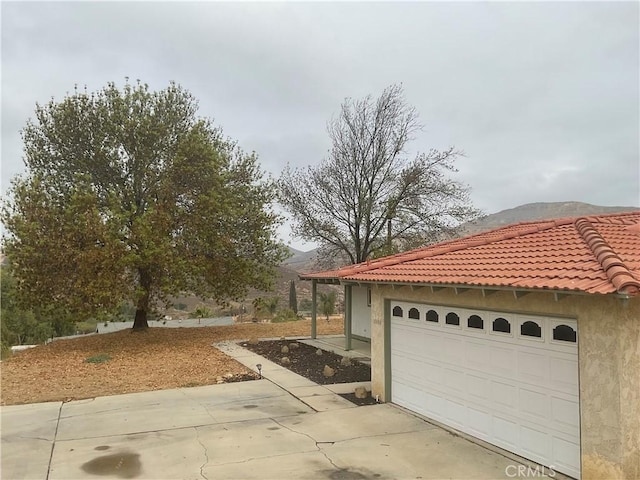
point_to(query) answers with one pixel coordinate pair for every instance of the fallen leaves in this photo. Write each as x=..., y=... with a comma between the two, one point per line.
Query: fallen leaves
x=154, y=359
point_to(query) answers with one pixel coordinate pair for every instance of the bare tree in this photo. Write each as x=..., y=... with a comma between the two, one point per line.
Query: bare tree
x=367, y=199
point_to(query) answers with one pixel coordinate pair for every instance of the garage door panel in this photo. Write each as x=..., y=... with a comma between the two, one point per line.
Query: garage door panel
x=563, y=450
x=535, y=443
x=408, y=371
x=480, y=423
x=405, y=395
x=506, y=433
x=533, y=367
x=503, y=361
x=454, y=380
x=504, y=394
x=564, y=374
x=478, y=387
x=565, y=412
x=455, y=413
x=534, y=404
x=452, y=351
x=478, y=355
x=433, y=375
x=516, y=392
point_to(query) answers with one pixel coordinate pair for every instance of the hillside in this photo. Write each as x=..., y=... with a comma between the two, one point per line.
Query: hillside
x=538, y=211
x=303, y=262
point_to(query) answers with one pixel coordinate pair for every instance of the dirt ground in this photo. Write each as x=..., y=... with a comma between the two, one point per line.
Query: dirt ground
x=305, y=361
x=155, y=359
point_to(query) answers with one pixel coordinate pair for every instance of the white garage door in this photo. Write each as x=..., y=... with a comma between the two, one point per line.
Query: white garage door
x=508, y=379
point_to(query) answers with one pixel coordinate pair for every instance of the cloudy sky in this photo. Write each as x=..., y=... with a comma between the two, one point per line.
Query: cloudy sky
x=542, y=97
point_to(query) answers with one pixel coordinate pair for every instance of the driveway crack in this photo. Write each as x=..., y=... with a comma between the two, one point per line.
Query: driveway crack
x=55, y=435
x=206, y=455
x=320, y=449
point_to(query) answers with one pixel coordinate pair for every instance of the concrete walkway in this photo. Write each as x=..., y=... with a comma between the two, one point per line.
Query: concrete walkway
x=283, y=426
x=318, y=397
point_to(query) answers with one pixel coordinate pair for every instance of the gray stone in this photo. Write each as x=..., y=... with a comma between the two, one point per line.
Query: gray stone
x=284, y=349
x=285, y=361
x=328, y=371
x=319, y=352
x=294, y=345
x=345, y=361
x=361, y=392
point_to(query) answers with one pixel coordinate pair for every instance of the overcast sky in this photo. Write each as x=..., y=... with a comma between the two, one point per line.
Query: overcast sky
x=542, y=97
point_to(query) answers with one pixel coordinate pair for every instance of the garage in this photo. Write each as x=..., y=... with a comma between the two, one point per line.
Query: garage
x=506, y=378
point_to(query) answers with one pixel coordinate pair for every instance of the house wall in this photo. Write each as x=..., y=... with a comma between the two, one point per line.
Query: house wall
x=361, y=313
x=608, y=356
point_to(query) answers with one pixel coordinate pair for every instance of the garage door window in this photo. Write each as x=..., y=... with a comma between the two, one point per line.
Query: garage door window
x=530, y=329
x=475, y=321
x=397, y=311
x=501, y=325
x=564, y=333
x=452, y=319
x=414, y=313
x=432, y=316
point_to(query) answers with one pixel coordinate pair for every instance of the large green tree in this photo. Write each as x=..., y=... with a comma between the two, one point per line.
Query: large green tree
x=23, y=325
x=129, y=195
x=368, y=198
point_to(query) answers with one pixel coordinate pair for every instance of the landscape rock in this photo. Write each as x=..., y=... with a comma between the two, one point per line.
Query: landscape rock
x=345, y=361
x=253, y=341
x=219, y=380
x=319, y=352
x=361, y=392
x=284, y=349
x=328, y=371
x=228, y=375
x=294, y=345
x=285, y=361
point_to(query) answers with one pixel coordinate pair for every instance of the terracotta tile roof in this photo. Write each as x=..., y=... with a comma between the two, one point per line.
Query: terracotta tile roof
x=595, y=254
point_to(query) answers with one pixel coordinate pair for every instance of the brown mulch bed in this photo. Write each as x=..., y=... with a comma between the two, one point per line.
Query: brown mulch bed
x=155, y=359
x=305, y=361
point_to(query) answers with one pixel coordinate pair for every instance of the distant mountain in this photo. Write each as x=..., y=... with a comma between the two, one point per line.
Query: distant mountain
x=304, y=262
x=301, y=262
x=538, y=211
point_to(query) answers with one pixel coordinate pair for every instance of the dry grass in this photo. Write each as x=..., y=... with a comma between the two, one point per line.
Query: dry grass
x=156, y=359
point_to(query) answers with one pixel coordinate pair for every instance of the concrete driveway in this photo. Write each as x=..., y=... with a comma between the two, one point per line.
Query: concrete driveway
x=241, y=430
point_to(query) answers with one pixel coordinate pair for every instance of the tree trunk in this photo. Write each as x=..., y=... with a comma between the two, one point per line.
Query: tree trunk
x=140, y=321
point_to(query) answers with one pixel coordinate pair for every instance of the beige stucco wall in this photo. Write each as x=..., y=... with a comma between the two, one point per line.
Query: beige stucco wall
x=608, y=355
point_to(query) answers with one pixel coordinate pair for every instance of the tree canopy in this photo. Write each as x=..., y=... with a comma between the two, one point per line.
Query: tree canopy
x=129, y=195
x=367, y=198
x=327, y=303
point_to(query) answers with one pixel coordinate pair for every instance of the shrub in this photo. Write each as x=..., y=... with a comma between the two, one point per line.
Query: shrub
x=285, y=315
x=100, y=358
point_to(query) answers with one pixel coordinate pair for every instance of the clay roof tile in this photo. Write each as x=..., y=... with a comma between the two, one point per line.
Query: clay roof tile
x=593, y=254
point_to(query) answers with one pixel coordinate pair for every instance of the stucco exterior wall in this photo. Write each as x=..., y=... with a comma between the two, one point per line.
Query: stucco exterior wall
x=608, y=356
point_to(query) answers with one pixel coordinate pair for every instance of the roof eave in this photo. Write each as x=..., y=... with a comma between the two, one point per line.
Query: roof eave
x=518, y=291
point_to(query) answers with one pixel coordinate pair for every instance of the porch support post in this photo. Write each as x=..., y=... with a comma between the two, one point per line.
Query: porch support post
x=347, y=316
x=314, y=308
